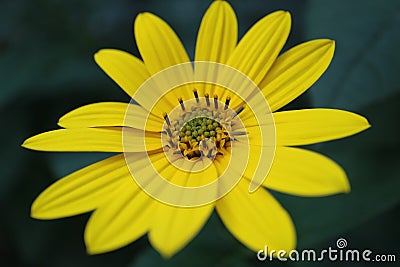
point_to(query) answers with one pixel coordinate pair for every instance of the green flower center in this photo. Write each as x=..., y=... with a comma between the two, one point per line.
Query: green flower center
x=201, y=127
x=199, y=132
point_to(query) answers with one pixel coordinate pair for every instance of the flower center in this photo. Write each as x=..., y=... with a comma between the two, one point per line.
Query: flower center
x=196, y=135
x=201, y=127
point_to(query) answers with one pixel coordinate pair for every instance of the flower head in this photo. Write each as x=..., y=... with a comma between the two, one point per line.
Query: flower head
x=199, y=136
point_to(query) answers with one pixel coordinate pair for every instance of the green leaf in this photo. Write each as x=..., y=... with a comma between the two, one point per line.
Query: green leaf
x=366, y=62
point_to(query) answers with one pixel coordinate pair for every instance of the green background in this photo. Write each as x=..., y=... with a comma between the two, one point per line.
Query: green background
x=47, y=69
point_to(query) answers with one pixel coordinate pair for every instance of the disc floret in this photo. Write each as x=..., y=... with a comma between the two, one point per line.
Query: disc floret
x=193, y=135
x=200, y=127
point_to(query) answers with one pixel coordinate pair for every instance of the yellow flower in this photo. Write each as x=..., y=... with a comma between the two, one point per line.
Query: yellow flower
x=199, y=136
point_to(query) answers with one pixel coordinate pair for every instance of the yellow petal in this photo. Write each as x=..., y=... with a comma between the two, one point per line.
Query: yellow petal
x=170, y=184
x=92, y=140
x=305, y=173
x=111, y=114
x=261, y=45
x=256, y=219
x=161, y=48
x=216, y=40
x=174, y=227
x=218, y=32
x=158, y=44
x=81, y=191
x=309, y=126
x=295, y=71
x=125, y=217
x=188, y=179
x=125, y=69
x=258, y=165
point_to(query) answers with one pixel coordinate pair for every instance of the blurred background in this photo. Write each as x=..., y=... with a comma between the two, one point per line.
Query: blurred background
x=47, y=69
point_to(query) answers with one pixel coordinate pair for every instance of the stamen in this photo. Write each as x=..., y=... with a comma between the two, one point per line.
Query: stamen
x=228, y=99
x=207, y=99
x=237, y=112
x=239, y=133
x=181, y=102
x=165, y=115
x=216, y=101
x=169, y=132
x=196, y=95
